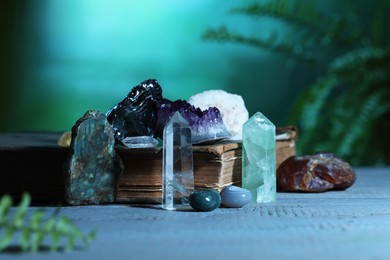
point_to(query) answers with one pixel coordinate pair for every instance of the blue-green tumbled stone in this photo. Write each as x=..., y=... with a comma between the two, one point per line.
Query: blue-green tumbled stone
x=205, y=200
x=235, y=197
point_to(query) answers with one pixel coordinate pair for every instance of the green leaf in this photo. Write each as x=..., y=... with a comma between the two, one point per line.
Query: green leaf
x=6, y=240
x=21, y=210
x=25, y=239
x=49, y=225
x=63, y=225
x=70, y=243
x=5, y=205
x=36, y=240
x=92, y=235
x=37, y=236
x=56, y=237
x=36, y=219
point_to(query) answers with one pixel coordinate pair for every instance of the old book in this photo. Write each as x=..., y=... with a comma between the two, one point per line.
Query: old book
x=215, y=166
x=33, y=162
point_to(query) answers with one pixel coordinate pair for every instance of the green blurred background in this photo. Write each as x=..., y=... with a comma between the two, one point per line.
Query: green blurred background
x=60, y=58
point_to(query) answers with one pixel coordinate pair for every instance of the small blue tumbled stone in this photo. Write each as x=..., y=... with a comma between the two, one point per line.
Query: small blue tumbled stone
x=235, y=197
x=205, y=200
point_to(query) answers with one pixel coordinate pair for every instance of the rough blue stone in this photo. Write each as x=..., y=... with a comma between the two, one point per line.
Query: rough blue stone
x=93, y=169
x=205, y=200
x=235, y=197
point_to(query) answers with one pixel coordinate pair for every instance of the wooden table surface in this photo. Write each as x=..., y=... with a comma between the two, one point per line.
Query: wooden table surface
x=351, y=224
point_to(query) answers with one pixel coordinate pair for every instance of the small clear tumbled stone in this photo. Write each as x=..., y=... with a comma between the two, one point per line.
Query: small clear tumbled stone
x=235, y=197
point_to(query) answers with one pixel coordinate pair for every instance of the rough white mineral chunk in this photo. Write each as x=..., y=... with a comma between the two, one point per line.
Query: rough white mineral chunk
x=232, y=108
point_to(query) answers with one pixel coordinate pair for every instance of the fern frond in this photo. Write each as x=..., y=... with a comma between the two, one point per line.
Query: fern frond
x=309, y=30
x=353, y=97
x=5, y=205
x=272, y=44
x=356, y=63
x=292, y=12
x=367, y=112
x=380, y=25
x=342, y=111
x=311, y=113
x=33, y=232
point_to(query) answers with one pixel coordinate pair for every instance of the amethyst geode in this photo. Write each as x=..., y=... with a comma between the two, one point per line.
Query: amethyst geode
x=136, y=115
x=144, y=112
x=206, y=125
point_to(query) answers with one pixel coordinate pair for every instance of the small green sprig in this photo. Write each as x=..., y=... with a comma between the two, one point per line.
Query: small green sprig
x=33, y=230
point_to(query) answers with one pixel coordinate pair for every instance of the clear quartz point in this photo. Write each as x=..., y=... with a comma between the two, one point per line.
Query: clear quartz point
x=140, y=141
x=259, y=158
x=177, y=171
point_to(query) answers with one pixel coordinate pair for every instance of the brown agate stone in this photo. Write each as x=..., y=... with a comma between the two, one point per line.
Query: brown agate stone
x=315, y=173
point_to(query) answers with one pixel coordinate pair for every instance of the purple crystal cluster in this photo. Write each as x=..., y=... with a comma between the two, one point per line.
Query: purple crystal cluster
x=206, y=125
x=144, y=112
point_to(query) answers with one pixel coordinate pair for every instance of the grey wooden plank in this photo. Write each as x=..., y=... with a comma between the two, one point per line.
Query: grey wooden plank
x=351, y=224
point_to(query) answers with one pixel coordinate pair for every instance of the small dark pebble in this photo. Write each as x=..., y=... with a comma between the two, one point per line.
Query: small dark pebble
x=205, y=200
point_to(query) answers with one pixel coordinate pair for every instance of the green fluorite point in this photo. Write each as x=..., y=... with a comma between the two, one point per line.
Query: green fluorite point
x=259, y=158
